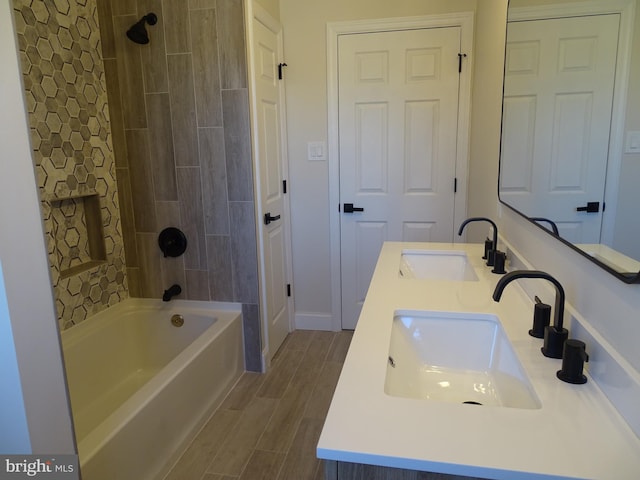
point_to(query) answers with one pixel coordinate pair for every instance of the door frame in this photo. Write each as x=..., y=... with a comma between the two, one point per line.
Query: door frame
x=255, y=12
x=464, y=20
x=626, y=10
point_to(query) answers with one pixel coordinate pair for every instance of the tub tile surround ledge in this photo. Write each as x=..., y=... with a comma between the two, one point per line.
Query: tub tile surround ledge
x=576, y=433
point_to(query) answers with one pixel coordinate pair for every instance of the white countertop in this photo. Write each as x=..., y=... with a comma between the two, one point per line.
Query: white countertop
x=575, y=434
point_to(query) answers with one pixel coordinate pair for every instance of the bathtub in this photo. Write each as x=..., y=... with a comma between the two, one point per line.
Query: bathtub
x=141, y=388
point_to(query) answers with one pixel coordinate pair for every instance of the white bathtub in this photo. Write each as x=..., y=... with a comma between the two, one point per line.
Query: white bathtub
x=141, y=388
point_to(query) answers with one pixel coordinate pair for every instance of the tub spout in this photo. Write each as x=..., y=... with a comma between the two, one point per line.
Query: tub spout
x=171, y=292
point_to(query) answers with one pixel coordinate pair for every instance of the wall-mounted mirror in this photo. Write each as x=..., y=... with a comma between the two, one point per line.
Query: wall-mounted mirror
x=570, y=149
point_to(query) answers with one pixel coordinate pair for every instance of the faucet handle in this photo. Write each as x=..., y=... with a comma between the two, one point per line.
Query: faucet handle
x=573, y=357
x=488, y=246
x=541, y=319
x=554, y=339
x=499, y=259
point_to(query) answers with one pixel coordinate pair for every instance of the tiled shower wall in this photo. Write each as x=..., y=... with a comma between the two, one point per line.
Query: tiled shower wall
x=180, y=121
x=69, y=119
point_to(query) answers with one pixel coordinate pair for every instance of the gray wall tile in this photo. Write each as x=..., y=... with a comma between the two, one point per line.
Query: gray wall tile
x=190, y=195
x=161, y=146
x=196, y=113
x=176, y=27
x=130, y=74
x=141, y=174
x=214, y=181
x=183, y=110
x=173, y=272
x=134, y=281
x=206, y=67
x=122, y=7
x=237, y=144
x=251, y=331
x=150, y=257
x=201, y=4
x=127, y=216
x=197, y=284
x=106, y=29
x=220, y=268
x=233, y=67
x=168, y=215
x=115, y=112
x=154, y=60
x=243, y=252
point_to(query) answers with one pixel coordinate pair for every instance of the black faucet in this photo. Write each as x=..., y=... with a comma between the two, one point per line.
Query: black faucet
x=489, y=249
x=552, y=224
x=554, y=336
x=172, y=291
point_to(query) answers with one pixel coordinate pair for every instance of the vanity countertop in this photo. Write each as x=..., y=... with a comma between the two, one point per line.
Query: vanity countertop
x=576, y=433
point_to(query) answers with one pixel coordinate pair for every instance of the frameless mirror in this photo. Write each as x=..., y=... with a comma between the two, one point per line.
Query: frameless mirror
x=570, y=147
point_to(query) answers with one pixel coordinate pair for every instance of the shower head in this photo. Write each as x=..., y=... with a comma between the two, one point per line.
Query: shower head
x=138, y=33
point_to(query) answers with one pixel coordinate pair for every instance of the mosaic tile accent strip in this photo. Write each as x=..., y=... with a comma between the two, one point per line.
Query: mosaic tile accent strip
x=66, y=98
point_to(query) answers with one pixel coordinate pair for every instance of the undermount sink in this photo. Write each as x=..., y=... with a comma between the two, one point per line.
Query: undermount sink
x=436, y=265
x=455, y=357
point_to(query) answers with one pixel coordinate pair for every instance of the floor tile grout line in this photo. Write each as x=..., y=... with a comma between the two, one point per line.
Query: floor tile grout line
x=201, y=429
x=289, y=456
x=280, y=399
x=299, y=420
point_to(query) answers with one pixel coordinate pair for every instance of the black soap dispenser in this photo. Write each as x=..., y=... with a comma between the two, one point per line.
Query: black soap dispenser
x=574, y=355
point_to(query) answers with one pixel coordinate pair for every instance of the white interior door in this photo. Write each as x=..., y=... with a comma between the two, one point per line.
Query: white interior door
x=559, y=80
x=268, y=132
x=398, y=121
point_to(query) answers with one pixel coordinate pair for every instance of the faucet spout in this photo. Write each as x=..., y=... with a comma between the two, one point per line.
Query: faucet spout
x=554, y=336
x=171, y=292
x=516, y=274
x=494, y=242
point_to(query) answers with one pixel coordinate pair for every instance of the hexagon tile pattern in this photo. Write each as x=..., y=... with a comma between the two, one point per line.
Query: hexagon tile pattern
x=66, y=99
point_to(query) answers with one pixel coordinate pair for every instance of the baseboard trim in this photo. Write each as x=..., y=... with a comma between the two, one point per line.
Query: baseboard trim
x=314, y=321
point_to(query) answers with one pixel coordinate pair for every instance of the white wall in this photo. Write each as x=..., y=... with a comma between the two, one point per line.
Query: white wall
x=627, y=227
x=24, y=261
x=13, y=418
x=609, y=305
x=305, y=52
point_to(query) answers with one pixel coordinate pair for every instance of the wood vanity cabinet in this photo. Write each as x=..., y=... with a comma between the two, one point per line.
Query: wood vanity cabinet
x=334, y=470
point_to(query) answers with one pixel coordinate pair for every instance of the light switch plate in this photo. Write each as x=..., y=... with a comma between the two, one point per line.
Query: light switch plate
x=633, y=142
x=316, y=151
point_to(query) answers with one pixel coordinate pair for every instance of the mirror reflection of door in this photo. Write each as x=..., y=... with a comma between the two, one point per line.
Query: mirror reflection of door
x=559, y=82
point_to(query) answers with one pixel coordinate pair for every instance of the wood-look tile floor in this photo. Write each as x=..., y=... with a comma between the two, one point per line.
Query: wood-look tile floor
x=268, y=426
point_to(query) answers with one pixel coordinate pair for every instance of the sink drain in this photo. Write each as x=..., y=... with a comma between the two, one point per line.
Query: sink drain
x=471, y=402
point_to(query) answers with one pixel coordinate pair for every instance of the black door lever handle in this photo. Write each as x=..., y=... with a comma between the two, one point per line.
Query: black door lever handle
x=591, y=207
x=268, y=218
x=349, y=208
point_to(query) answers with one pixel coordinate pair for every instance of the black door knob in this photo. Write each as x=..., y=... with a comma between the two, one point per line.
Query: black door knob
x=590, y=207
x=268, y=218
x=349, y=208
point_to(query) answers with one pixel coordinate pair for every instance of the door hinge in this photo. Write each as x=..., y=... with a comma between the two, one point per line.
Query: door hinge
x=455, y=185
x=280, y=67
x=288, y=289
x=284, y=186
x=460, y=57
